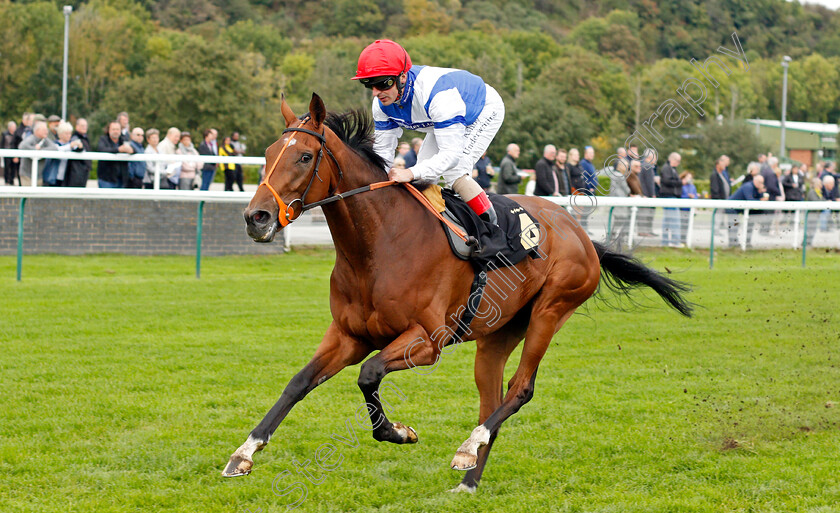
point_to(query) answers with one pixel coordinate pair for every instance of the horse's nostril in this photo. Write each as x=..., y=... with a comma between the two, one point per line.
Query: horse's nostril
x=261, y=216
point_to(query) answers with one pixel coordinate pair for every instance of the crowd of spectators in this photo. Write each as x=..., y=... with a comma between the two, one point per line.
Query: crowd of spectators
x=562, y=173
x=36, y=132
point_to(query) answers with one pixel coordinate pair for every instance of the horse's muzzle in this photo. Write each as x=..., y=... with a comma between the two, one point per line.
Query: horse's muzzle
x=261, y=225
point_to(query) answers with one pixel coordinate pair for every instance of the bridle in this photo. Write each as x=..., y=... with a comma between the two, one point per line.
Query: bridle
x=287, y=213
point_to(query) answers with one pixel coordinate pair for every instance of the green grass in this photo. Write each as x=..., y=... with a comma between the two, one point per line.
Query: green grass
x=126, y=384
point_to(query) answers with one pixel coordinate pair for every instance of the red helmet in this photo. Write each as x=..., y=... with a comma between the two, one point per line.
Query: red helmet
x=382, y=58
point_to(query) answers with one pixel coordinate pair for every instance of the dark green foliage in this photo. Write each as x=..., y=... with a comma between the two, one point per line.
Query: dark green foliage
x=571, y=73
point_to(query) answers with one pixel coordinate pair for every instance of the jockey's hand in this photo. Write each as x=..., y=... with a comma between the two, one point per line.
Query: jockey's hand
x=400, y=174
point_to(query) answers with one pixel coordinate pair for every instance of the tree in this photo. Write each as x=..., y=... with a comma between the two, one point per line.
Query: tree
x=591, y=83
x=248, y=36
x=194, y=90
x=532, y=122
x=30, y=35
x=108, y=42
x=355, y=18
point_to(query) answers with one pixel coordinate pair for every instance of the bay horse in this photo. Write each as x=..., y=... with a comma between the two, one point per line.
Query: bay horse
x=396, y=282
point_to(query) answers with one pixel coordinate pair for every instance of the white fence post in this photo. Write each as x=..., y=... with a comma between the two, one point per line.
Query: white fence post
x=33, y=173
x=690, y=230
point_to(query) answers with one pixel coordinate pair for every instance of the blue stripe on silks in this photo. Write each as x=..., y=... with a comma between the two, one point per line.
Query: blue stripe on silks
x=471, y=89
x=385, y=125
x=454, y=121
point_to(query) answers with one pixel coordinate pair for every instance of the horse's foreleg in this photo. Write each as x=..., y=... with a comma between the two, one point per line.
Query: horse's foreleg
x=545, y=322
x=492, y=353
x=411, y=349
x=336, y=351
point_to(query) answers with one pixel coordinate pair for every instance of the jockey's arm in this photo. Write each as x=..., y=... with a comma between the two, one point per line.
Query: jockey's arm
x=447, y=110
x=386, y=136
x=450, y=143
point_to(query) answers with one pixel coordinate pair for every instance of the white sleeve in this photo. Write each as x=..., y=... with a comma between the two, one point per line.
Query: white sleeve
x=450, y=143
x=447, y=111
x=385, y=140
x=385, y=144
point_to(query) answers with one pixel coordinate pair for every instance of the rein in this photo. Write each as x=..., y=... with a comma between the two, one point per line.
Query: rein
x=287, y=213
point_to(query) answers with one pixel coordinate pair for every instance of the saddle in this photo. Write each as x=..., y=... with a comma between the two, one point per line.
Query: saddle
x=488, y=245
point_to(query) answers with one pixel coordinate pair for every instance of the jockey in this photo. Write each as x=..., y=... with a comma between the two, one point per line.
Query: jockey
x=459, y=113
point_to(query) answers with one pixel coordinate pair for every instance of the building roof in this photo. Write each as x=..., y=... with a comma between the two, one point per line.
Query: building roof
x=802, y=126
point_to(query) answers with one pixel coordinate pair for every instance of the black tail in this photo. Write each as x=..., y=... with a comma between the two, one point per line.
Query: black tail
x=623, y=273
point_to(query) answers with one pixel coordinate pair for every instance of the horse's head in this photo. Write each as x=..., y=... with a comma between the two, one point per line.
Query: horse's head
x=299, y=169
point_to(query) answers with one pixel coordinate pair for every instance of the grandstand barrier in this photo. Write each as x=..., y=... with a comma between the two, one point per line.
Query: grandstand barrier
x=706, y=222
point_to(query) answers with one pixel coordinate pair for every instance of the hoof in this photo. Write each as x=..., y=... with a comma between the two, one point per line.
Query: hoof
x=409, y=436
x=237, y=466
x=464, y=461
x=463, y=488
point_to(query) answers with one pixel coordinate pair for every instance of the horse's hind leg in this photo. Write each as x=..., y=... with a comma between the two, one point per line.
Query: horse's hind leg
x=492, y=353
x=546, y=320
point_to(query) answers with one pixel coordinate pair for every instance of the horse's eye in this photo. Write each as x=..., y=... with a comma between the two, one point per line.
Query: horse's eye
x=306, y=158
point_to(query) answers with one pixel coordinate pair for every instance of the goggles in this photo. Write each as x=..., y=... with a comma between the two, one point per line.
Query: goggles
x=381, y=83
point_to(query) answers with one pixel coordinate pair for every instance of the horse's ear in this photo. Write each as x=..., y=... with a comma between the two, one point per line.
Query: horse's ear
x=317, y=110
x=288, y=115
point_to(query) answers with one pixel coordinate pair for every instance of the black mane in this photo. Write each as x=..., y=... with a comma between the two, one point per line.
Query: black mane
x=355, y=128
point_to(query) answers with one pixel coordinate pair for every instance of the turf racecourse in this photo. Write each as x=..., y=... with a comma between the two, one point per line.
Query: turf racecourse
x=127, y=383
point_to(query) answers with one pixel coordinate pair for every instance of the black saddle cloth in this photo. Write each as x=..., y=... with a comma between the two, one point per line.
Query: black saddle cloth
x=498, y=246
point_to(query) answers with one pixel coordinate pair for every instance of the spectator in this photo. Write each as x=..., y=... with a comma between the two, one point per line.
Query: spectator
x=590, y=176
x=818, y=169
x=52, y=124
x=753, y=170
x=771, y=178
x=78, y=171
x=208, y=147
x=171, y=169
x=113, y=174
x=829, y=193
x=188, y=169
x=125, y=129
x=671, y=187
x=762, y=162
x=64, y=143
x=403, y=149
x=50, y=169
x=622, y=154
x=136, y=170
x=621, y=215
x=154, y=170
x=689, y=191
x=719, y=182
x=749, y=191
x=416, y=144
x=814, y=194
x=647, y=181
x=483, y=172
x=561, y=169
x=720, y=186
x=231, y=176
x=239, y=148
x=508, y=181
x=830, y=169
x=37, y=140
x=10, y=164
x=547, y=181
x=793, y=182
x=24, y=130
x=576, y=179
